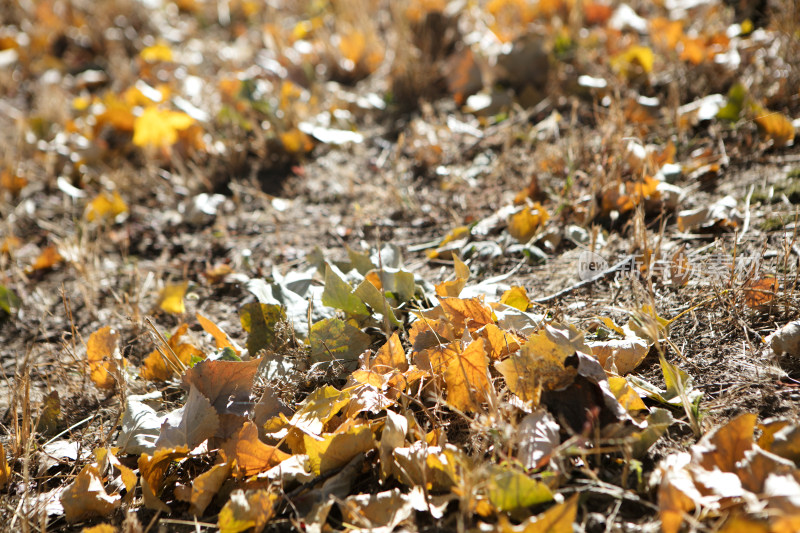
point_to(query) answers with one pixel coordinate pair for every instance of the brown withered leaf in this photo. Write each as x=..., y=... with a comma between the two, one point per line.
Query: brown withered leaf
x=102, y=353
x=384, y=510
x=248, y=454
x=190, y=425
x=725, y=447
x=86, y=497
x=226, y=384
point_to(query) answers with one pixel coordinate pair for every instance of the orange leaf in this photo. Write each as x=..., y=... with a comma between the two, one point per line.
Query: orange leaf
x=102, y=354
x=760, y=291
x=153, y=470
x=248, y=454
x=390, y=356
x=154, y=368
x=12, y=183
x=471, y=313
x=206, y=485
x=5, y=470
x=220, y=337
x=105, y=207
x=777, y=128
x=467, y=376
x=47, y=259
x=526, y=223
x=500, y=342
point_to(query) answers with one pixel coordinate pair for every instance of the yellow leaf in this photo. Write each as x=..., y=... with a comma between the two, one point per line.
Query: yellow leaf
x=776, y=127
x=470, y=313
x=105, y=207
x=156, y=52
x=100, y=528
x=154, y=367
x=245, y=510
x=557, y=519
x=516, y=297
x=539, y=364
x=153, y=471
x=205, y=487
x=454, y=288
x=296, y=142
x=527, y=222
x=171, y=298
x=102, y=355
x=159, y=127
x=5, y=470
x=461, y=232
x=500, y=343
x=390, y=356
x=336, y=449
x=86, y=497
x=625, y=394
x=624, y=62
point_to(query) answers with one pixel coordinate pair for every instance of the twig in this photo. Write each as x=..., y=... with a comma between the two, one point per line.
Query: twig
x=610, y=270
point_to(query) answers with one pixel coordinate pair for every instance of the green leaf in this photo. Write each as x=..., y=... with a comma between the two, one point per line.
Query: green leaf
x=510, y=490
x=657, y=423
x=371, y=296
x=333, y=339
x=259, y=320
x=732, y=110
x=339, y=295
x=9, y=302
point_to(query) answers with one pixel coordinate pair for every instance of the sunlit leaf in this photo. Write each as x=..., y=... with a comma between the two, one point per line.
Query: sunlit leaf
x=760, y=291
x=159, y=127
x=198, y=421
x=12, y=183
x=466, y=375
x=249, y=455
x=337, y=341
x=153, y=470
x=48, y=258
x=220, y=337
x=636, y=55
x=245, y=510
x=226, y=384
x=296, y=142
x=538, y=435
x=333, y=450
x=510, y=489
x=170, y=299
x=525, y=224
x=500, y=342
x=339, y=294
x=453, y=288
x=105, y=207
x=155, y=368
x=86, y=497
x=557, y=519
x=470, y=313
x=516, y=297
x=206, y=485
x=102, y=355
x=390, y=356
x=776, y=127
x=626, y=396
x=156, y=52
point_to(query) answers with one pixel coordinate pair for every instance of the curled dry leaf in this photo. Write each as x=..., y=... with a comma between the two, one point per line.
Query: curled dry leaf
x=86, y=497
x=537, y=436
x=190, y=425
x=620, y=355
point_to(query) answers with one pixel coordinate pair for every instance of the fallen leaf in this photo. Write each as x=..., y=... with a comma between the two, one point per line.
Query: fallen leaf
x=153, y=470
x=259, y=321
x=245, y=510
x=86, y=497
x=249, y=455
x=221, y=338
x=537, y=436
x=786, y=339
x=226, y=384
x=634, y=56
x=516, y=297
x=540, y=363
x=141, y=425
x=100, y=528
x=776, y=127
x=105, y=207
x=170, y=299
x=12, y=183
x=102, y=352
x=196, y=422
x=333, y=450
x=339, y=295
x=157, y=52
x=382, y=511
x=159, y=127
x=391, y=356
x=9, y=301
x=466, y=375
x=470, y=313
x=500, y=342
x=155, y=368
x=620, y=355
x=47, y=259
x=453, y=288
x=761, y=291
x=510, y=490
x=557, y=519
x=336, y=341
x=526, y=223
x=625, y=394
